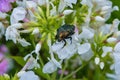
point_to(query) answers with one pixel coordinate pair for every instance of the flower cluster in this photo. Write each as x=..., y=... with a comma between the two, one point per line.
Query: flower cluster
x=93, y=42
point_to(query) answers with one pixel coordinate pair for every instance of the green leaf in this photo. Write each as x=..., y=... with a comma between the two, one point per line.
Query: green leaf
x=19, y=60
x=41, y=74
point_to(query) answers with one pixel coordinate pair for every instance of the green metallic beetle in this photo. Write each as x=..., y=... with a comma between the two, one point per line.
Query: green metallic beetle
x=65, y=32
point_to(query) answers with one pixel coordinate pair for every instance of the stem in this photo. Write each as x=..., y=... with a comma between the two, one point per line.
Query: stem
x=78, y=69
x=54, y=75
x=42, y=64
x=66, y=64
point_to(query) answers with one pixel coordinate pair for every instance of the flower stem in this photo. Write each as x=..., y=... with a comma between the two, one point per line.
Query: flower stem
x=78, y=69
x=66, y=64
x=42, y=64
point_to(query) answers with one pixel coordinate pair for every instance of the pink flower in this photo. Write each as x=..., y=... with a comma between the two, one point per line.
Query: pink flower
x=60, y=72
x=5, y=5
x=3, y=66
x=11, y=1
x=3, y=49
x=4, y=63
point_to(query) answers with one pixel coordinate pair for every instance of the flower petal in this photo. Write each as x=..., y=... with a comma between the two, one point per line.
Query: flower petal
x=106, y=50
x=17, y=15
x=67, y=12
x=83, y=48
x=117, y=68
x=49, y=67
x=117, y=47
x=86, y=34
x=29, y=75
x=97, y=60
x=85, y=51
x=23, y=42
x=102, y=65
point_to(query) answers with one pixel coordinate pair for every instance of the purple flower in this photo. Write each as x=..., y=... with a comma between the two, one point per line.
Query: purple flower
x=3, y=49
x=65, y=72
x=11, y=1
x=5, y=5
x=3, y=64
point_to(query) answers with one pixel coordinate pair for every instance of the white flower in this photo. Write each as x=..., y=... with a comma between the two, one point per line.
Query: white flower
x=23, y=42
x=106, y=50
x=102, y=65
x=65, y=3
x=116, y=55
x=66, y=51
x=106, y=12
x=31, y=63
x=86, y=34
x=17, y=15
x=67, y=12
x=87, y=2
x=99, y=18
x=35, y=31
x=62, y=5
x=21, y=3
x=57, y=46
x=113, y=76
x=53, y=11
x=37, y=48
x=104, y=7
x=2, y=30
x=117, y=47
x=51, y=66
x=31, y=4
x=90, y=6
x=27, y=75
x=85, y=51
x=115, y=25
x=12, y=33
x=105, y=29
x=41, y=2
x=117, y=67
x=83, y=48
x=97, y=60
x=110, y=28
x=117, y=34
x=111, y=40
x=73, y=46
x=3, y=15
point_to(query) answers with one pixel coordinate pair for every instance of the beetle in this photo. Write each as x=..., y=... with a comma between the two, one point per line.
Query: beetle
x=65, y=32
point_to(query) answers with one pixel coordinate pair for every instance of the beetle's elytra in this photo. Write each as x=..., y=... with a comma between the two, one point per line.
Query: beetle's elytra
x=65, y=32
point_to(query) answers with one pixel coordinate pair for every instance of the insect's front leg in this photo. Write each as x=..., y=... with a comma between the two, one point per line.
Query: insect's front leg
x=64, y=42
x=70, y=39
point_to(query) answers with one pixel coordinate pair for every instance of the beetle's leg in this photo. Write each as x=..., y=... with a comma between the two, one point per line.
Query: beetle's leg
x=64, y=43
x=70, y=39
